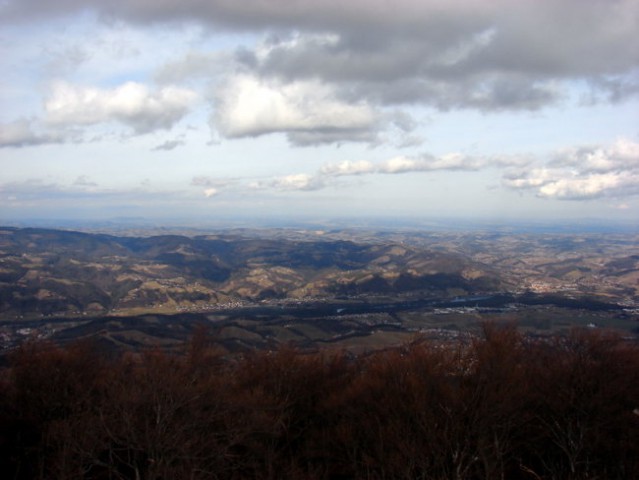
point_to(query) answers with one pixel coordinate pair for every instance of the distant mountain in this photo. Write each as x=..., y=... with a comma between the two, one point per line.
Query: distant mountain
x=46, y=271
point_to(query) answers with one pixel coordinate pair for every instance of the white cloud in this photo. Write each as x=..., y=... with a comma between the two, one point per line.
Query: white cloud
x=308, y=111
x=566, y=182
x=300, y=181
x=347, y=167
x=132, y=104
x=584, y=173
x=451, y=161
x=463, y=75
x=328, y=71
x=623, y=154
x=590, y=186
x=403, y=164
x=326, y=175
x=536, y=177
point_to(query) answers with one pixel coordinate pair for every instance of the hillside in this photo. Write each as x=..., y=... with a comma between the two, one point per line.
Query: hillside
x=53, y=272
x=338, y=289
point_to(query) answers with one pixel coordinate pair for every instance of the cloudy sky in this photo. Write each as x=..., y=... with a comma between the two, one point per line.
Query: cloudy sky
x=167, y=109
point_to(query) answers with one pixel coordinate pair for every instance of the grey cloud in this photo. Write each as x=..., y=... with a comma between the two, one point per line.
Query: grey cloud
x=319, y=136
x=359, y=15
x=169, y=145
x=64, y=59
x=84, y=181
x=407, y=72
x=485, y=93
x=409, y=141
x=24, y=133
x=404, y=122
x=373, y=54
x=194, y=66
x=613, y=89
x=512, y=56
x=338, y=57
x=382, y=41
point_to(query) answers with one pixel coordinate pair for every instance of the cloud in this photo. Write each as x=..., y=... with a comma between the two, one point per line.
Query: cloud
x=212, y=187
x=347, y=167
x=583, y=173
x=249, y=14
x=378, y=40
x=132, y=104
x=622, y=155
x=591, y=186
x=84, y=181
x=613, y=89
x=194, y=66
x=328, y=71
x=328, y=174
x=23, y=133
x=450, y=161
x=307, y=111
x=579, y=173
x=453, y=161
x=573, y=174
x=480, y=55
x=168, y=145
x=82, y=193
x=404, y=70
x=42, y=191
x=218, y=183
x=301, y=181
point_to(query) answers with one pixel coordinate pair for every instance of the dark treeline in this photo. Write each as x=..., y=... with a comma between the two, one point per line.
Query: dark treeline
x=501, y=407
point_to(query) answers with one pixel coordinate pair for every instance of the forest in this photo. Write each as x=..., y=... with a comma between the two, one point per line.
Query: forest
x=500, y=406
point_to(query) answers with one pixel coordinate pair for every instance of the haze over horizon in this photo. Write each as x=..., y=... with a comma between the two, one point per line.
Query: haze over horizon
x=523, y=110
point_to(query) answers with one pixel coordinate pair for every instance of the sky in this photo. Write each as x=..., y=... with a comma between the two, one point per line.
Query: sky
x=202, y=109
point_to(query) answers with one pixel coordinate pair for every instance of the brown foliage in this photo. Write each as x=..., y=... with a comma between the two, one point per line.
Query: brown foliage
x=503, y=406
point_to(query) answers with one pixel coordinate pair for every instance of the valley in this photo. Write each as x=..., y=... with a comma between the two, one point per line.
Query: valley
x=354, y=290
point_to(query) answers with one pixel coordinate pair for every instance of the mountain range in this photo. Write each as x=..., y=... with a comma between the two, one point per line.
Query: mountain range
x=56, y=272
